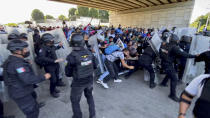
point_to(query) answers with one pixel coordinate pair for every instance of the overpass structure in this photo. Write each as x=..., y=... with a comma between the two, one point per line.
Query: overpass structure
x=143, y=13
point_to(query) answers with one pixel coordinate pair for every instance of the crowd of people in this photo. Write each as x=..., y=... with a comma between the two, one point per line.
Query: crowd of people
x=114, y=51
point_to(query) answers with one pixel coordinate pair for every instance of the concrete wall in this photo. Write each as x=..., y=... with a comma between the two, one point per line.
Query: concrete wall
x=177, y=14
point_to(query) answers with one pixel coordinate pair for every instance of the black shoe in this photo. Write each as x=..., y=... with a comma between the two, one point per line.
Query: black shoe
x=61, y=83
x=93, y=117
x=163, y=85
x=55, y=95
x=127, y=76
x=153, y=85
x=41, y=104
x=57, y=91
x=174, y=98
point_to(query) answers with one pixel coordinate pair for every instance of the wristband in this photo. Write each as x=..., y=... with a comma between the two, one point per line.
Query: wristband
x=182, y=114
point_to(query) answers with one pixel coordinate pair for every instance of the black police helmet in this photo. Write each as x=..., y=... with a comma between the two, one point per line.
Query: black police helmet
x=77, y=40
x=16, y=44
x=23, y=36
x=174, y=38
x=13, y=36
x=47, y=37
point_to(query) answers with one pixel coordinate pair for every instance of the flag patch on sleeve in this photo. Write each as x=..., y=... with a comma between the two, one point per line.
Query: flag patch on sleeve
x=21, y=70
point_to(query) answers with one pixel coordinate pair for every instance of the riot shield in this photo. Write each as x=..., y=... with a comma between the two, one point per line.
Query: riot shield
x=93, y=41
x=185, y=31
x=4, y=53
x=3, y=38
x=199, y=44
x=155, y=42
x=64, y=51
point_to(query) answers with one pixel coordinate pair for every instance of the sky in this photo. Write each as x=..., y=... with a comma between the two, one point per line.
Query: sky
x=201, y=8
x=15, y=11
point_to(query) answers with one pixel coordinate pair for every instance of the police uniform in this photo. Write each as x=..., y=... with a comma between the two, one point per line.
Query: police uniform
x=80, y=66
x=145, y=61
x=19, y=77
x=47, y=55
x=168, y=65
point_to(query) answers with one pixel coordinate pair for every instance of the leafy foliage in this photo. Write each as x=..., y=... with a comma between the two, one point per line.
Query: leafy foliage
x=201, y=20
x=103, y=14
x=12, y=24
x=93, y=13
x=49, y=17
x=63, y=18
x=82, y=11
x=72, y=12
x=37, y=15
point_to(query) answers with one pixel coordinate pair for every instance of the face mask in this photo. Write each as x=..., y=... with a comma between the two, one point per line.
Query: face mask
x=27, y=54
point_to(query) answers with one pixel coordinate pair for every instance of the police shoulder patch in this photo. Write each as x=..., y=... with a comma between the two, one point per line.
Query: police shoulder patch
x=21, y=70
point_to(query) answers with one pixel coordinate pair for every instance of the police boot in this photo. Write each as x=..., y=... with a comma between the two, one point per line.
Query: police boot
x=152, y=85
x=174, y=98
x=60, y=83
x=163, y=85
x=55, y=95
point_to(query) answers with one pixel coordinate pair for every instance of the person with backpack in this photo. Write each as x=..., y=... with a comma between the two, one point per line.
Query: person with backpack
x=48, y=59
x=111, y=65
x=20, y=78
x=80, y=65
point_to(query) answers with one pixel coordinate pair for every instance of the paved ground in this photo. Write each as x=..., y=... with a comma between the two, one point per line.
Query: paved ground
x=130, y=99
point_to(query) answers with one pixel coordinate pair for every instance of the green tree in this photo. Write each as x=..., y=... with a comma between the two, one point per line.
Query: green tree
x=82, y=11
x=12, y=24
x=93, y=13
x=201, y=20
x=37, y=15
x=49, y=17
x=62, y=17
x=103, y=14
x=72, y=12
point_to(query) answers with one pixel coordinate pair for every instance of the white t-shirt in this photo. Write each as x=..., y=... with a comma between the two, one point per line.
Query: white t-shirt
x=195, y=88
x=115, y=55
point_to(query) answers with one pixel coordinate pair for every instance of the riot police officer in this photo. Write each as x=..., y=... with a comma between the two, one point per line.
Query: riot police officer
x=47, y=56
x=19, y=77
x=145, y=61
x=200, y=84
x=80, y=66
x=173, y=52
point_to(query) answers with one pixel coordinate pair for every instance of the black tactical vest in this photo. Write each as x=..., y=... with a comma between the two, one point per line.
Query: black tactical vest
x=84, y=65
x=202, y=105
